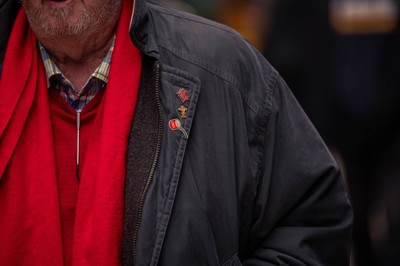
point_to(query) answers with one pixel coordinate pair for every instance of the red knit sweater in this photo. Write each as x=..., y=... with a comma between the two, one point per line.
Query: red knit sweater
x=63, y=118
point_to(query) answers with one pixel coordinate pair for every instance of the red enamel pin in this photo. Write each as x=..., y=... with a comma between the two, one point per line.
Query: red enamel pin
x=183, y=95
x=175, y=124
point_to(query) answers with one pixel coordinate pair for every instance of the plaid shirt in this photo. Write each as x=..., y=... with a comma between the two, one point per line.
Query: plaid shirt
x=77, y=99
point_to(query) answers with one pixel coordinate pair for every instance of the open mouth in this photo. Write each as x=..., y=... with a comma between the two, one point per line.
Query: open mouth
x=59, y=3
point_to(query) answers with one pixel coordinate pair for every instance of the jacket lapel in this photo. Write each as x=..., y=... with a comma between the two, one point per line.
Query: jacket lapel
x=160, y=133
x=179, y=93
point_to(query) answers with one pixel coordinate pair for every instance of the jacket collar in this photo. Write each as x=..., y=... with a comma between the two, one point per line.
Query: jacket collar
x=142, y=29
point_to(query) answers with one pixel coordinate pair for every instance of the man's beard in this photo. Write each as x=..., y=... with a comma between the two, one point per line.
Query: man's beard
x=89, y=20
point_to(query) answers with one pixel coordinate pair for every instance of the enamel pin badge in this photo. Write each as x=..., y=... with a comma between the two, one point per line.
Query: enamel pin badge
x=183, y=111
x=183, y=95
x=175, y=124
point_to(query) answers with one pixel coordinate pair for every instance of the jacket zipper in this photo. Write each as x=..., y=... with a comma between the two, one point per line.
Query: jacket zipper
x=156, y=71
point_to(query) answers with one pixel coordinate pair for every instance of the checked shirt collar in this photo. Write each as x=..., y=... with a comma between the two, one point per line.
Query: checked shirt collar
x=57, y=80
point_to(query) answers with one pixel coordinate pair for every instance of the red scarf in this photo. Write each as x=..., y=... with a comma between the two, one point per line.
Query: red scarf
x=30, y=231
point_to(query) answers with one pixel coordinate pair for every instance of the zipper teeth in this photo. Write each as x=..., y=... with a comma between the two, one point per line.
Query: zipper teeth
x=156, y=69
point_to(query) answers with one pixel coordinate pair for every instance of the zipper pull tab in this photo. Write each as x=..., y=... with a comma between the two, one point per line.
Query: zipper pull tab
x=78, y=127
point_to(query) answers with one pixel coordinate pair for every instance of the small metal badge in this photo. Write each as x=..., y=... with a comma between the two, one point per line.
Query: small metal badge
x=183, y=111
x=175, y=124
x=183, y=95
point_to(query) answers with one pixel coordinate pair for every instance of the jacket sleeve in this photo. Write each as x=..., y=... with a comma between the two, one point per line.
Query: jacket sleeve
x=301, y=214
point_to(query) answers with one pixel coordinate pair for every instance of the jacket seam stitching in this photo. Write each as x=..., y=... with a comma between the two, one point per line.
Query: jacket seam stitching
x=264, y=125
x=234, y=82
x=230, y=259
x=211, y=23
x=272, y=83
x=224, y=75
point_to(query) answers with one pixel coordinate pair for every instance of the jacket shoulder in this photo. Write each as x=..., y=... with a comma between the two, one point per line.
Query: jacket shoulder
x=216, y=48
x=195, y=35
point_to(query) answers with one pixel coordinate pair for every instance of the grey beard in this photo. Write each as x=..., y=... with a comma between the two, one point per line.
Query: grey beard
x=89, y=20
x=65, y=29
x=62, y=29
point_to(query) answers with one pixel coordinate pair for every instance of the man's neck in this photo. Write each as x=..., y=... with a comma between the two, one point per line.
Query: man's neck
x=78, y=58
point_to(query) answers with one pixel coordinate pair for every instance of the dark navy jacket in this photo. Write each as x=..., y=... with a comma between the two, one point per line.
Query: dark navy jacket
x=245, y=179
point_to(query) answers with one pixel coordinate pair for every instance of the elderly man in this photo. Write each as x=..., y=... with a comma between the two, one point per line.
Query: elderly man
x=133, y=134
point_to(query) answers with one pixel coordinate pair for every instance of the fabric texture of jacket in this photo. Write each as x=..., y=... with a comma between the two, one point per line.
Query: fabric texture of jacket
x=223, y=166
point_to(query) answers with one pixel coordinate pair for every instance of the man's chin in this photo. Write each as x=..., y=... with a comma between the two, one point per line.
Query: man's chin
x=69, y=18
x=59, y=29
x=55, y=4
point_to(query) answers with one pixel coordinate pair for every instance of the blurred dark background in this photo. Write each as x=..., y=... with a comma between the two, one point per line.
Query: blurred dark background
x=340, y=58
